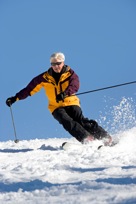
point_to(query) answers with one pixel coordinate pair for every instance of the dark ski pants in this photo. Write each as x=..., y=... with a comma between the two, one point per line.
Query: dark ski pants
x=76, y=124
x=70, y=117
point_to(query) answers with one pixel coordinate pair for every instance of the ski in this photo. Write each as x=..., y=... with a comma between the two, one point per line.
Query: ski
x=79, y=146
x=72, y=146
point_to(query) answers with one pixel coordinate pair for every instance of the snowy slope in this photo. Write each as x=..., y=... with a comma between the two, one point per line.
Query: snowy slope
x=39, y=171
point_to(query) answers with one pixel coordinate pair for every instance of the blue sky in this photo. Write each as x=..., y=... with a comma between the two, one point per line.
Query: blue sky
x=98, y=39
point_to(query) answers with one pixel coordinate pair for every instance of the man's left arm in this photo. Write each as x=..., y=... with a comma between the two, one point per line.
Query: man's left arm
x=73, y=84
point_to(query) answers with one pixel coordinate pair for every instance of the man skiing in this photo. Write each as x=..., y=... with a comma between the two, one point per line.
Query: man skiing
x=61, y=83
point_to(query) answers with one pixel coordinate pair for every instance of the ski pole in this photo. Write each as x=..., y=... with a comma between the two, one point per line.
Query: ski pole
x=108, y=87
x=16, y=140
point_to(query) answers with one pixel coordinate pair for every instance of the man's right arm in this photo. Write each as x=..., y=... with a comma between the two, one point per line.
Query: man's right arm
x=33, y=87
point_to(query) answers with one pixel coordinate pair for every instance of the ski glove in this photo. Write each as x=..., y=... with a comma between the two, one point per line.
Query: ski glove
x=60, y=97
x=10, y=100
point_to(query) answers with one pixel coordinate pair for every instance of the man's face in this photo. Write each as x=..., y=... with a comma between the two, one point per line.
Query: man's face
x=57, y=65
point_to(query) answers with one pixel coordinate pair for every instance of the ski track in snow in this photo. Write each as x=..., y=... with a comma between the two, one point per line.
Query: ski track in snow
x=39, y=171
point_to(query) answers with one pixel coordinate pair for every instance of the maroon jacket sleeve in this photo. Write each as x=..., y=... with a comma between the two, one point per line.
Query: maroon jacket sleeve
x=24, y=93
x=73, y=84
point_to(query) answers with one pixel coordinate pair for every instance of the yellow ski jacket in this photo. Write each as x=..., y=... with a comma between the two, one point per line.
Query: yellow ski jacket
x=67, y=82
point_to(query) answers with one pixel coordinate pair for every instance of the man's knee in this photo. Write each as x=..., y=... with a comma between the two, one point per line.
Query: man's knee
x=90, y=125
x=61, y=115
x=57, y=114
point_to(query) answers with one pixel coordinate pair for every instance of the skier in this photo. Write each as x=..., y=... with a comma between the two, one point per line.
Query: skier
x=61, y=83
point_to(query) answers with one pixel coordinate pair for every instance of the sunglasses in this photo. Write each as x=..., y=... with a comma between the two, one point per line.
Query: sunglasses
x=55, y=63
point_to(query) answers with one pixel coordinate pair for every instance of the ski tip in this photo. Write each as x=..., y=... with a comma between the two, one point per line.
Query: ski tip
x=100, y=147
x=63, y=144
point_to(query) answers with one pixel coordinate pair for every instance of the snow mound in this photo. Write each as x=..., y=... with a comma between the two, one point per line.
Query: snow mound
x=39, y=171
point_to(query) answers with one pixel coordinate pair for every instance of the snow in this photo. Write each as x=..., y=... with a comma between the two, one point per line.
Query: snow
x=39, y=171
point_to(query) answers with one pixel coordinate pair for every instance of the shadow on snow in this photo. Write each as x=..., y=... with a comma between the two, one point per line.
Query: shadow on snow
x=40, y=185
x=118, y=181
x=81, y=170
x=31, y=186
x=44, y=147
x=15, y=150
